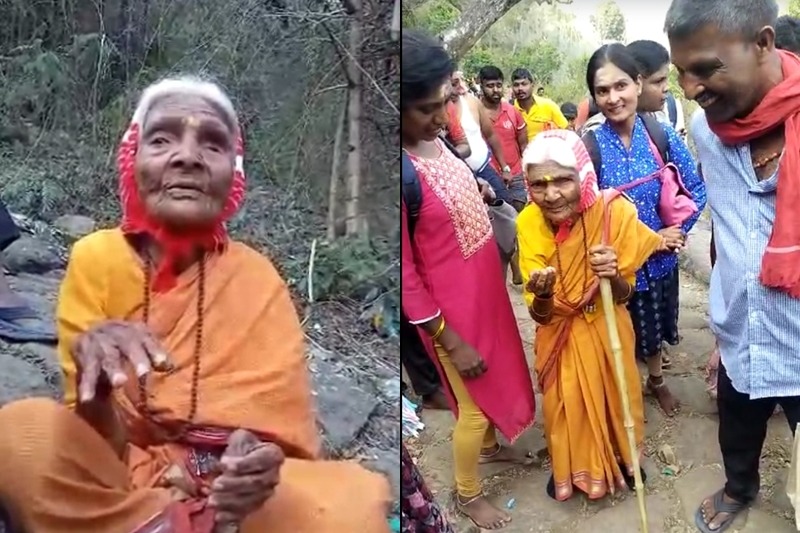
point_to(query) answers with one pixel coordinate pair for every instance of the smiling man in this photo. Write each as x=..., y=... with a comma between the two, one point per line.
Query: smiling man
x=748, y=139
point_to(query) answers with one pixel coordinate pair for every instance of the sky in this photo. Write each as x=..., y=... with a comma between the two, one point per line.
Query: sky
x=644, y=19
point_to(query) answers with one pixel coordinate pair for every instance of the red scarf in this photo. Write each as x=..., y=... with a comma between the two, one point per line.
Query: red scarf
x=136, y=220
x=779, y=264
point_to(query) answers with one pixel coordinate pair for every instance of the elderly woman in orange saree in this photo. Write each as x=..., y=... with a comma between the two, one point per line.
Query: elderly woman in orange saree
x=188, y=402
x=569, y=237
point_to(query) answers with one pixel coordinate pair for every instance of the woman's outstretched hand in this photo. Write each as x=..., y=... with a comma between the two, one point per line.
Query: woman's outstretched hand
x=250, y=472
x=101, y=352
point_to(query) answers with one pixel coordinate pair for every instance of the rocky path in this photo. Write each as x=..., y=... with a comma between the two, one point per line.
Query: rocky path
x=672, y=498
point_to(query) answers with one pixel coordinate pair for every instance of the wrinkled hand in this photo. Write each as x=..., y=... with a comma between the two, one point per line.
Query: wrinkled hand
x=486, y=191
x=467, y=360
x=507, y=177
x=603, y=261
x=675, y=237
x=542, y=282
x=101, y=352
x=250, y=472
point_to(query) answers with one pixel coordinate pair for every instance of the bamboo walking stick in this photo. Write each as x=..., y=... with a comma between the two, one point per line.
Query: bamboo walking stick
x=619, y=369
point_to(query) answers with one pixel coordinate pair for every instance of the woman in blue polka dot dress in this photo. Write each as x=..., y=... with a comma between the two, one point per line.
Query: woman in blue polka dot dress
x=616, y=83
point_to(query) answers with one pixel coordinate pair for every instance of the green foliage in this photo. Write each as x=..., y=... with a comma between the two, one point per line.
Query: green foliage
x=793, y=9
x=70, y=76
x=435, y=16
x=352, y=267
x=610, y=22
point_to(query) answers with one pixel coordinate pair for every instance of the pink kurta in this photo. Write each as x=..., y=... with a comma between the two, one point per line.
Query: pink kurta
x=452, y=267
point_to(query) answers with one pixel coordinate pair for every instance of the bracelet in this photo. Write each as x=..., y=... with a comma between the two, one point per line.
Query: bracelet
x=439, y=330
x=628, y=296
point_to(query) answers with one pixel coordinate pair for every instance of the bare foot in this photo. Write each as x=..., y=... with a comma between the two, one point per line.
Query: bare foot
x=716, y=511
x=436, y=401
x=658, y=388
x=506, y=454
x=482, y=513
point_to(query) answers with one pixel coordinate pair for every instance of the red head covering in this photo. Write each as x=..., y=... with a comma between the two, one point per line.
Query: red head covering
x=137, y=221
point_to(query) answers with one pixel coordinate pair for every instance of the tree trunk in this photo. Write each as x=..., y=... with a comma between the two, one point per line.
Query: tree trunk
x=477, y=17
x=473, y=22
x=333, y=189
x=355, y=224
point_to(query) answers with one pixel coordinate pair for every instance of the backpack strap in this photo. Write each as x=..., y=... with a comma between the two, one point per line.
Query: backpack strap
x=672, y=110
x=590, y=142
x=411, y=190
x=656, y=132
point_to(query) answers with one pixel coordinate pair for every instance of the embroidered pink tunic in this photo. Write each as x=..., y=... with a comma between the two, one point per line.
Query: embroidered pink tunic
x=452, y=267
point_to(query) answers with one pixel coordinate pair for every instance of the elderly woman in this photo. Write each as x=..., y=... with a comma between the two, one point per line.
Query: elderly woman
x=570, y=237
x=188, y=399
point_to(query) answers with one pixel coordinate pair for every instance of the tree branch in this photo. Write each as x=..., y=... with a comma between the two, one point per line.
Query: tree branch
x=475, y=20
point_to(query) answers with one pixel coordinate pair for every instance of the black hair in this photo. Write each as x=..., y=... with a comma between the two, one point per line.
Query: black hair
x=490, y=73
x=522, y=74
x=425, y=66
x=650, y=55
x=569, y=110
x=743, y=18
x=787, y=34
x=617, y=55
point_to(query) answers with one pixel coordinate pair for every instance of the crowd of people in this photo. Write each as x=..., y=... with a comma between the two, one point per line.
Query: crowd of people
x=606, y=191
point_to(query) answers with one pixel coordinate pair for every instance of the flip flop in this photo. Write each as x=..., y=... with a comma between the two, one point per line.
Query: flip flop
x=529, y=459
x=720, y=506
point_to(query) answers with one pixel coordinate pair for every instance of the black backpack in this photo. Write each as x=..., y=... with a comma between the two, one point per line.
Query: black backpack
x=654, y=129
x=411, y=188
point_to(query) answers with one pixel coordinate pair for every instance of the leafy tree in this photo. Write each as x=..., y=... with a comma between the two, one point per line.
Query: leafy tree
x=793, y=9
x=609, y=22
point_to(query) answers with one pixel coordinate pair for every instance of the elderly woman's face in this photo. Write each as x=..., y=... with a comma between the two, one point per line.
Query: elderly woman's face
x=185, y=162
x=556, y=190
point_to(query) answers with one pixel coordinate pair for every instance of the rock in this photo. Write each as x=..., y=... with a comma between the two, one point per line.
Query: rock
x=625, y=516
x=75, y=226
x=20, y=379
x=696, y=258
x=344, y=405
x=31, y=255
x=386, y=462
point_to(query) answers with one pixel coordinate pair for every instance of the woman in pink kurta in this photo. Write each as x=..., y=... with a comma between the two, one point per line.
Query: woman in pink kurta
x=454, y=288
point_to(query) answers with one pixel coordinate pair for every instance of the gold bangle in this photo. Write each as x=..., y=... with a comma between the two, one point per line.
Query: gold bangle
x=439, y=330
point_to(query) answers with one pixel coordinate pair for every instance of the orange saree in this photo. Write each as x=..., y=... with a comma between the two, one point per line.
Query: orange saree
x=253, y=375
x=574, y=364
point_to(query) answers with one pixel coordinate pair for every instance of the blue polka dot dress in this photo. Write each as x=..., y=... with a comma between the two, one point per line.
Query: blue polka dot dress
x=654, y=306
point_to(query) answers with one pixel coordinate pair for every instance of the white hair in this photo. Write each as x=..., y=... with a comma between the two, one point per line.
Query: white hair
x=188, y=86
x=543, y=149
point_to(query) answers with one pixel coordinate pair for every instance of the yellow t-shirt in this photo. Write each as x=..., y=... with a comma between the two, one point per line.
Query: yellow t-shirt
x=543, y=115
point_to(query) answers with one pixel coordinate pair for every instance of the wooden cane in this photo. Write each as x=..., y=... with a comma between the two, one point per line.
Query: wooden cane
x=619, y=369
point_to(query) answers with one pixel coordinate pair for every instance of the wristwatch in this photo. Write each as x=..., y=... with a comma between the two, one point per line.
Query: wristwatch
x=507, y=169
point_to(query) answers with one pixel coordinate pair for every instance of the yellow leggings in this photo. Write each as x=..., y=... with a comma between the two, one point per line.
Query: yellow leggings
x=472, y=433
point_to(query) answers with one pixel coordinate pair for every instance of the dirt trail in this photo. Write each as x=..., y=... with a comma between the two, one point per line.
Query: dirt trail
x=671, y=499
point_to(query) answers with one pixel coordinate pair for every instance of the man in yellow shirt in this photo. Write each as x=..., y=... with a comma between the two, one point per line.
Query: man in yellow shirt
x=540, y=113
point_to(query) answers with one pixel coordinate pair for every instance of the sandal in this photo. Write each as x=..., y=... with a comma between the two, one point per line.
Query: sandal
x=462, y=508
x=666, y=362
x=720, y=506
x=654, y=388
x=527, y=459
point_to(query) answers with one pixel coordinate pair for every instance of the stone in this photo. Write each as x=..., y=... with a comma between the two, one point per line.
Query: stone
x=20, y=379
x=691, y=392
x=625, y=516
x=696, y=441
x=386, y=462
x=75, y=226
x=344, y=405
x=695, y=258
x=31, y=255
